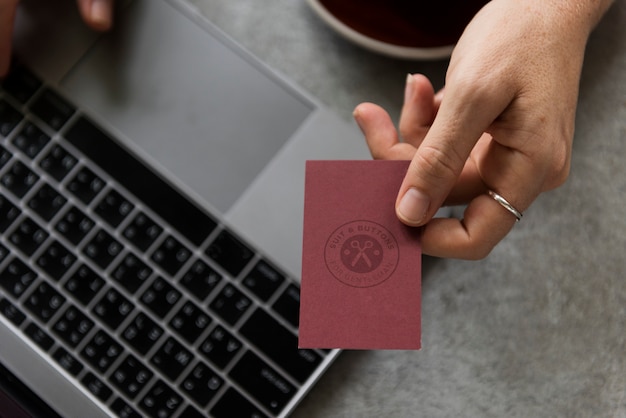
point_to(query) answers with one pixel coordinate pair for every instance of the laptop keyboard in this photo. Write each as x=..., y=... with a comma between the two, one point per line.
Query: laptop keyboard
x=142, y=299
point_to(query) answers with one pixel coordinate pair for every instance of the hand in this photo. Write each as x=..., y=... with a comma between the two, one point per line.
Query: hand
x=504, y=123
x=98, y=14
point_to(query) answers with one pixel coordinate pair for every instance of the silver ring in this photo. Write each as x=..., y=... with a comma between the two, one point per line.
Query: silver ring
x=506, y=205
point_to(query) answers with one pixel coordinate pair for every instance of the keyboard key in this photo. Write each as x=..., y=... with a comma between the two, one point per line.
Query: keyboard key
x=11, y=312
x=142, y=231
x=101, y=351
x=202, y=384
x=72, y=326
x=200, y=279
x=288, y=305
x=96, y=386
x=58, y=162
x=142, y=333
x=56, y=260
x=84, y=284
x=191, y=412
x=28, y=236
x=9, y=118
x=16, y=278
x=280, y=345
x=263, y=280
x=5, y=156
x=189, y=322
x=131, y=272
x=21, y=84
x=160, y=297
x=171, y=358
x=233, y=404
x=220, y=347
x=264, y=383
x=230, y=304
x=47, y=202
x=85, y=185
x=30, y=140
x=8, y=213
x=166, y=201
x=171, y=255
x=131, y=376
x=229, y=252
x=161, y=401
x=44, y=301
x=113, y=308
x=19, y=179
x=39, y=336
x=113, y=208
x=102, y=248
x=4, y=252
x=123, y=410
x=67, y=361
x=52, y=109
x=74, y=225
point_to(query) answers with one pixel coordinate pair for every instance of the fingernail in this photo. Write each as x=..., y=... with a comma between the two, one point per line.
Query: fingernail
x=357, y=117
x=413, y=207
x=101, y=12
x=408, y=88
x=439, y=95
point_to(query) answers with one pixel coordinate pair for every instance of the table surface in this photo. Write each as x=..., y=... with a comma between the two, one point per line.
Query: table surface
x=538, y=329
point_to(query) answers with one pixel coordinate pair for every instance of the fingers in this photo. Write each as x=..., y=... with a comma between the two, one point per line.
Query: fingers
x=98, y=14
x=7, y=15
x=418, y=112
x=470, y=183
x=484, y=224
x=454, y=161
x=486, y=221
x=442, y=155
x=419, y=109
x=380, y=133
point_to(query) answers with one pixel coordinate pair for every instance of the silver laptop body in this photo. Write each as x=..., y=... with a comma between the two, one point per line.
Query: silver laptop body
x=210, y=123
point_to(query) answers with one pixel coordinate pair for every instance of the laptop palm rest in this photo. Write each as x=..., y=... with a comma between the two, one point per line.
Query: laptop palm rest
x=211, y=115
x=196, y=107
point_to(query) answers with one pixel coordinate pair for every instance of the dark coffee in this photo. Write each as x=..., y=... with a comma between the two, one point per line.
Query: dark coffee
x=416, y=23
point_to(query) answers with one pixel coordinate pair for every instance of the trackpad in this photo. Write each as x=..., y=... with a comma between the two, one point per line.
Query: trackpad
x=206, y=114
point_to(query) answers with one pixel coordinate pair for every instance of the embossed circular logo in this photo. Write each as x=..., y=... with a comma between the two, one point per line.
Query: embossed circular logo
x=361, y=254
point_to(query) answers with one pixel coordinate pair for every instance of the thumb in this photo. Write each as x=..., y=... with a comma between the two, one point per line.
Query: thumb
x=441, y=157
x=7, y=15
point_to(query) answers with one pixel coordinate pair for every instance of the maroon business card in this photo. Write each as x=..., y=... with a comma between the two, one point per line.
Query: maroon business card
x=361, y=267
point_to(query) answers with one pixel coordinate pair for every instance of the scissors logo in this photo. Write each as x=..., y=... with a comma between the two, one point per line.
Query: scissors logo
x=361, y=254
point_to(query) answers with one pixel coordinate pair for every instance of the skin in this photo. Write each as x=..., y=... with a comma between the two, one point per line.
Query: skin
x=504, y=122
x=97, y=14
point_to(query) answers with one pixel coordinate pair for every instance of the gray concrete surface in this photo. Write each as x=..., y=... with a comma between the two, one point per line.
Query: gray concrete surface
x=538, y=329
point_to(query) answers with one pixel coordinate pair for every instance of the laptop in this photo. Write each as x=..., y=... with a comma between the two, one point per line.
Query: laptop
x=151, y=202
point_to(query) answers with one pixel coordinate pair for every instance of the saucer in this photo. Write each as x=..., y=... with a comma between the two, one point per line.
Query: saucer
x=397, y=29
